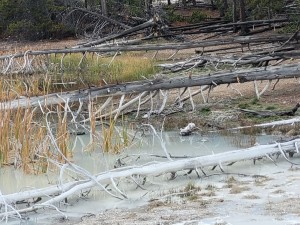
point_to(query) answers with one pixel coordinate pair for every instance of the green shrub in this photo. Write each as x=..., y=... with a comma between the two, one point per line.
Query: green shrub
x=172, y=16
x=260, y=8
x=197, y=17
x=32, y=19
x=21, y=29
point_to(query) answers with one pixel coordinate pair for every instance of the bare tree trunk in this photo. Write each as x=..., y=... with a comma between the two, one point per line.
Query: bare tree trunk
x=169, y=2
x=213, y=4
x=103, y=7
x=234, y=15
x=225, y=5
x=184, y=3
x=240, y=76
x=244, y=28
x=85, y=4
x=194, y=2
x=148, y=5
x=223, y=8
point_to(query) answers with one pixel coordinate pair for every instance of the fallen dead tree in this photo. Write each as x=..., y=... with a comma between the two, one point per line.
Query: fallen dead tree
x=288, y=122
x=53, y=195
x=268, y=113
x=31, y=62
x=100, y=16
x=142, y=89
x=200, y=28
x=156, y=47
x=258, y=58
x=147, y=24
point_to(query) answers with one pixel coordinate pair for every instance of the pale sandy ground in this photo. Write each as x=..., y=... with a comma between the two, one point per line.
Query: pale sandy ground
x=261, y=194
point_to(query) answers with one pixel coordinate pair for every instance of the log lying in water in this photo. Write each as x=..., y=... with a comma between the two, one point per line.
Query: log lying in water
x=58, y=193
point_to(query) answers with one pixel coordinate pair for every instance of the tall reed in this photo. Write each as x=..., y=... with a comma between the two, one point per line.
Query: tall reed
x=18, y=86
x=21, y=139
x=62, y=134
x=25, y=143
x=114, y=138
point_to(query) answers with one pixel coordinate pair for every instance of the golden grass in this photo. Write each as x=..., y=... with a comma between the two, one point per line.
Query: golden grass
x=92, y=69
x=17, y=86
x=75, y=71
x=114, y=138
x=25, y=142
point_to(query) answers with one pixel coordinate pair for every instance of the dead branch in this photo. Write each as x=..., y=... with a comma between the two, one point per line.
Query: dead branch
x=119, y=35
x=101, y=17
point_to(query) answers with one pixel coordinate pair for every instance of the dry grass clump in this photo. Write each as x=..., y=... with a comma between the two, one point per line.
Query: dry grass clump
x=25, y=141
x=66, y=72
x=236, y=189
x=251, y=197
x=19, y=86
x=92, y=69
x=114, y=138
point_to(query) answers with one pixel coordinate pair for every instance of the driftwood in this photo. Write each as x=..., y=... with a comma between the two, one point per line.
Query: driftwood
x=268, y=113
x=57, y=193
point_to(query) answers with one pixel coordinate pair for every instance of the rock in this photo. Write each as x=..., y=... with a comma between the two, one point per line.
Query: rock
x=188, y=129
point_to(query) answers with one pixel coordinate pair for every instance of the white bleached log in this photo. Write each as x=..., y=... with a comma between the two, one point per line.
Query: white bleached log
x=292, y=121
x=64, y=191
